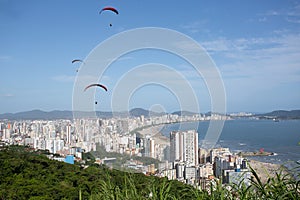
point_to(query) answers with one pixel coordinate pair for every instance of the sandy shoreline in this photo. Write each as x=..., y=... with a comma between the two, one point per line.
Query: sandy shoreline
x=264, y=170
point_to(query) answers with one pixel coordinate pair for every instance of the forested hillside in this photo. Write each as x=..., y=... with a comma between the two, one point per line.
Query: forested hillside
x=26, y=174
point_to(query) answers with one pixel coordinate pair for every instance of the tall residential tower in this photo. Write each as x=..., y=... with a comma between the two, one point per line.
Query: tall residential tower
x=184, y=147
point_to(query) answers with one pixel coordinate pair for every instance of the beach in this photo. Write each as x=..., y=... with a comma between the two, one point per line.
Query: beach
x=154, y=133
x=266, y=170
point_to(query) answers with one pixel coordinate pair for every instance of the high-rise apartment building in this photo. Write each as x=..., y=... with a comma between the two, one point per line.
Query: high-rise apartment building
x=184, y=147
x=149, y=145
x=69, y=136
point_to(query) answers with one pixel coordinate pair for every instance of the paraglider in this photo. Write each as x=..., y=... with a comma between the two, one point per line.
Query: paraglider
x=95, y=85
x=109, y=9
x=77, y=60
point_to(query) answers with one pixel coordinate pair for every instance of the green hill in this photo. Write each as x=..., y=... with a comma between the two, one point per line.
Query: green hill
x=25, y=174
x=281, y=114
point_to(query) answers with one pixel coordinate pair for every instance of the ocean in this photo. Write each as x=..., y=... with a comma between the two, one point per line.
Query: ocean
x=281, y=138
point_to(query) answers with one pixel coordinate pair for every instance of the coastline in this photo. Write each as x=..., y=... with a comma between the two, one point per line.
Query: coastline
x=264, y=170
x=154, y=133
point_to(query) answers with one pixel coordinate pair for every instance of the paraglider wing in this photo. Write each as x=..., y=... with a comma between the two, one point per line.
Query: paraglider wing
x=77, y=60
x=111, y=9
x=95, y=84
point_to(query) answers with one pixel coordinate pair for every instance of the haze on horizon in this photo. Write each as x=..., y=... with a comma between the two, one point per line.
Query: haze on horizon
x=254, y=44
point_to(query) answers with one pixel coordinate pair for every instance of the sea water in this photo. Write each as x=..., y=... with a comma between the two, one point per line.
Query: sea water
x=282, y=138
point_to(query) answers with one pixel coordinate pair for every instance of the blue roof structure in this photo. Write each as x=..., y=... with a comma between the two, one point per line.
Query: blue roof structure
x=69, y=159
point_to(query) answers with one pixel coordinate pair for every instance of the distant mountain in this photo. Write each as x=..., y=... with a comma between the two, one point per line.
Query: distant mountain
x=136, y=112
x=281, y=114
x=184, y=113
x=38, y=114
x=52, y=115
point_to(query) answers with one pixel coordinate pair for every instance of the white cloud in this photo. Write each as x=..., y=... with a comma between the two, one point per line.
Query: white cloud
x=263, y=19
x=294, y=11
x=196, y=27
x=218, y=45
x=8, y=95
x=295, y=20
x=291, y=14
x=5, y=58
x=272, y=13
x=274, y=59
x=64, y=78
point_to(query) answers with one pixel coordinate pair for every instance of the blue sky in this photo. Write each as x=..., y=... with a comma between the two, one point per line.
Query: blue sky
x=255, y=45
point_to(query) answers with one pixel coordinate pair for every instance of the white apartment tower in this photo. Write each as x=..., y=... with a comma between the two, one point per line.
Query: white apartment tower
x=150, y=150
x=184, y=147
x=69, y=136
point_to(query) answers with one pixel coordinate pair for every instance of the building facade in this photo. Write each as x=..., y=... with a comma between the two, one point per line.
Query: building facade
x=184, y=147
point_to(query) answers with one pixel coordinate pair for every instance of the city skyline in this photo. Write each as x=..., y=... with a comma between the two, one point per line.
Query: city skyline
x=181, y=155
x=67, y=141
x=254, y=46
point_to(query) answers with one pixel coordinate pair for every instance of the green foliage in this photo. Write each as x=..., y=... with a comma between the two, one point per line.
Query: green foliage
x=282, y=186
x=120, y=158
x=28, y=175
